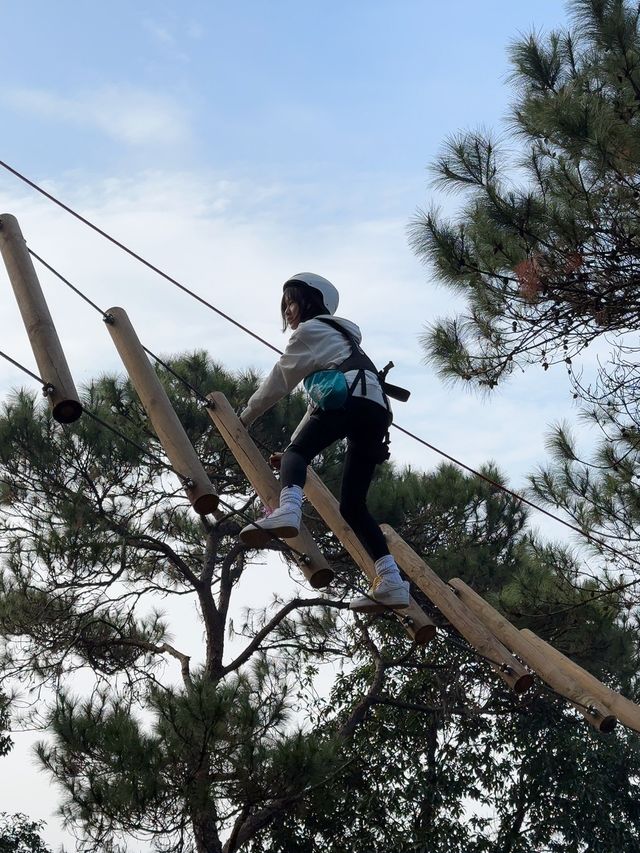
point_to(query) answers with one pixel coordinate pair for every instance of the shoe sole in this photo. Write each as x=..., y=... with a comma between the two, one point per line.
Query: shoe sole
x=369, y=607
x=257, y=537
x=378, y=607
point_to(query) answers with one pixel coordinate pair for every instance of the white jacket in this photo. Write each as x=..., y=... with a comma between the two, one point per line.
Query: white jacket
x=313, y=346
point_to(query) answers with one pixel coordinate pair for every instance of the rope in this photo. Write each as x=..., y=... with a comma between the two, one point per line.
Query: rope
x=587, y=534
x=348, y=583
x=134, y=255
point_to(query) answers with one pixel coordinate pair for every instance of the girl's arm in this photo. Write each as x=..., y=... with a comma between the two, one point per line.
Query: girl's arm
x=297, y=361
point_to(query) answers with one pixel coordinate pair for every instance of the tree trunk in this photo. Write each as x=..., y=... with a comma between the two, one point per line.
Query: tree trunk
x=205, y=833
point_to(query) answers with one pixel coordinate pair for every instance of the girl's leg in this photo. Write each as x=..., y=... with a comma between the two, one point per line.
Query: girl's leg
x=293, y=468
x=357, y=476
x=365, y=450
x=319, y=432
x=368, y=424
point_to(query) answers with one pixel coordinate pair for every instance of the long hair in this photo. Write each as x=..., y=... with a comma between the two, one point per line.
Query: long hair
x=308, y=298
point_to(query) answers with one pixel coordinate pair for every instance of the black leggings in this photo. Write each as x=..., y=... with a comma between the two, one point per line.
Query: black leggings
x=364, y=424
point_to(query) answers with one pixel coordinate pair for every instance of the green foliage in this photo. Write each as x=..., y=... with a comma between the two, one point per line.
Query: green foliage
x=197, y=750
x=18, y=834
x=233, y=740
x=599, y=492
x=545, y=246
x=447, y=765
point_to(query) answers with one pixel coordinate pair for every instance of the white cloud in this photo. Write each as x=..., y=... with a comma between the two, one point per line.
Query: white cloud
x=130, y=115
x=195, y=30
x=170, y=38
x=158, y=32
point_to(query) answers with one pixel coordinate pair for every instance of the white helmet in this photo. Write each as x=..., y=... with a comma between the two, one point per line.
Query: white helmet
x=329, y=293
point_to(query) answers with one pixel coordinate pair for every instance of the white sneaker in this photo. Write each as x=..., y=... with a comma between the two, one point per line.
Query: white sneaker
x=282, y=523
x=382, y=593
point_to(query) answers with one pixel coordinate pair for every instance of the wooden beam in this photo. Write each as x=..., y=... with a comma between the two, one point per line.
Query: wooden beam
x=459, y=615
x=625, y=710
x=418, y=625
x=52, y=364
x=537, y=655
x=313, y=564
x=166, y=424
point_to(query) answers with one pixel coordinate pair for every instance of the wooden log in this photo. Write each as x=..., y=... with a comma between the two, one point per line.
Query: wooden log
x=313, y=565
x=459, y=615
x=166, y=424
x=418, y=625
x=625, y=710
x=537, y=656
x=59, y=387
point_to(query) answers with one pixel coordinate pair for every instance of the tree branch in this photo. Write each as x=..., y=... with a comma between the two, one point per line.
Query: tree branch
x=273, y=623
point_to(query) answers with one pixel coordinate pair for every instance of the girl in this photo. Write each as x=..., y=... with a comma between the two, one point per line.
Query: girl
x=347, y=401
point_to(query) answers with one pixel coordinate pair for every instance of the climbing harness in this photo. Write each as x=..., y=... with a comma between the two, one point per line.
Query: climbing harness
x=359, y=361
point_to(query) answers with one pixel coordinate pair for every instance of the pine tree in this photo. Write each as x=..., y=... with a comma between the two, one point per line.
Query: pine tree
x=546, y=252
x=546, y=248
x=237, y=750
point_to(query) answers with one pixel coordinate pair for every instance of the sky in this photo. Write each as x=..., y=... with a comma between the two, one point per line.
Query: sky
x=233, y=145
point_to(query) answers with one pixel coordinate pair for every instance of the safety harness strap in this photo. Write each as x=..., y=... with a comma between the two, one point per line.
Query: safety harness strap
x=360, y=361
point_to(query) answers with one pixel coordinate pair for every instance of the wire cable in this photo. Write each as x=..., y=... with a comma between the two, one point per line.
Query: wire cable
x=66, y=281
x=100, y=421
x=135, y=444
x=589, y=536
x=135, y=255
x=24, y=369
x=105, y=316
x=286, y=546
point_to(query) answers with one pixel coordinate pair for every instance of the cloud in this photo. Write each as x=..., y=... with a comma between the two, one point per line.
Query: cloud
x=130, y=115
x=169, y=38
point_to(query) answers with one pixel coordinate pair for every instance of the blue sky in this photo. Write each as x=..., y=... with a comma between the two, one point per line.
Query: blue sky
x=233, y=144
x=338, y=95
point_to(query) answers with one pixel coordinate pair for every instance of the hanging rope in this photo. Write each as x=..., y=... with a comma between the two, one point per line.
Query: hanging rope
x=590, y=536
x=347, y=582
x=135, y=255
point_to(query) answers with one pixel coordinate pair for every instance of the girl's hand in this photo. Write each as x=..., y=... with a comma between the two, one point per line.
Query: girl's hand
x=274, y=461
